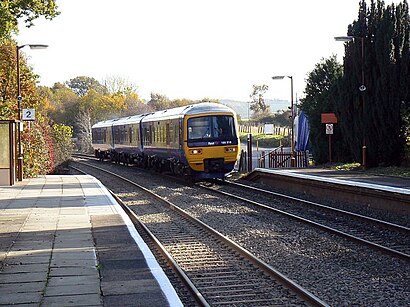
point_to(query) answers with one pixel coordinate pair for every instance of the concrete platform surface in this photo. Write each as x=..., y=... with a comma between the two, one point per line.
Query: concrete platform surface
x=59, y=243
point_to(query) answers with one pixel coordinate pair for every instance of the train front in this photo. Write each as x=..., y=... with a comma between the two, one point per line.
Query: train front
x=211, y=140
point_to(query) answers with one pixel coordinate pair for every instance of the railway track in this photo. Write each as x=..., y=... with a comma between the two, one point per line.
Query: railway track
x=338, y=271
x=381, y=235
x=218, y=271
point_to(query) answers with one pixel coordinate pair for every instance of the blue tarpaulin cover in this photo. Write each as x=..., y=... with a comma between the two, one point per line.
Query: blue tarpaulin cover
x=303, y=132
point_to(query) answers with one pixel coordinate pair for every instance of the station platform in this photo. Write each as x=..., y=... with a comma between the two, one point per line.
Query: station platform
x=64, y=241
x=389, y=183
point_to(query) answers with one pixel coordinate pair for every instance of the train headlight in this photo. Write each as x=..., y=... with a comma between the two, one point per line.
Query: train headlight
x=195, y=151
x=230, y=149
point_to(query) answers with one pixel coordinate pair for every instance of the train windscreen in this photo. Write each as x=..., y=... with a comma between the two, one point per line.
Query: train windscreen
x=218, y=128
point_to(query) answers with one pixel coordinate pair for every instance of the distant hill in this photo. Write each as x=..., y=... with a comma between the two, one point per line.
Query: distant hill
x=241, y=107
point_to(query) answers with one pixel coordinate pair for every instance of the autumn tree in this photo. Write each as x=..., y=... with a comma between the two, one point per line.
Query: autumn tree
x=38, y=141
x=118, y=86
x=82, y=84
x=159, y=102
x=134, y=105
x=61, y=103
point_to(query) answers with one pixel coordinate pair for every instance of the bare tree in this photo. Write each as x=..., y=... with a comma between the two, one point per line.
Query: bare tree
x=258, y=104
x=119, y=85
x=83, y=127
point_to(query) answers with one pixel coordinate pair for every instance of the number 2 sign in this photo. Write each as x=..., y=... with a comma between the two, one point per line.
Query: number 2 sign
x=29, y=114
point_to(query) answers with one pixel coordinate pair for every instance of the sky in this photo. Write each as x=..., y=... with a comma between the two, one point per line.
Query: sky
x=190, y=48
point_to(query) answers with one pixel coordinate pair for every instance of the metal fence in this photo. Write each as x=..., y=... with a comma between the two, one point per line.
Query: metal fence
x=274, y=159
x=277, y=159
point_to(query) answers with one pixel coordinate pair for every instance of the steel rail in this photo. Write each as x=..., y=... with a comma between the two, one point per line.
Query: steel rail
x=304, y=220
x=168, y=258
x=281, y=278
x=356, y=215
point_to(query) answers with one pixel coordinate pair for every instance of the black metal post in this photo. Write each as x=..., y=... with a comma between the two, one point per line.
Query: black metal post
x=249, y=149
x=292, y=112
x=19, y=147
x=363, y=89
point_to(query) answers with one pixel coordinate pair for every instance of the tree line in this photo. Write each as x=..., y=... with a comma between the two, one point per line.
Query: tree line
x=369, y=92
x=82, y=101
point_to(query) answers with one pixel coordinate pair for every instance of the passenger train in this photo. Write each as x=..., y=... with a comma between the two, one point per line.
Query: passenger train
x=199, y=140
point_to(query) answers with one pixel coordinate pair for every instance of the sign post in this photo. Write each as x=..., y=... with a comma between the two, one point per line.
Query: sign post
x=329, y=132
x=329, y=119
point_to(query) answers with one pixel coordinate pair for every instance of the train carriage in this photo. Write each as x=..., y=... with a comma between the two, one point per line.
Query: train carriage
x=102, y=140
x=162, y=139
x=126, y=133
x=199, y=140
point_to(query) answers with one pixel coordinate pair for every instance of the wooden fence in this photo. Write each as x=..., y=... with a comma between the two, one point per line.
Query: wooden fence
x=261, y=130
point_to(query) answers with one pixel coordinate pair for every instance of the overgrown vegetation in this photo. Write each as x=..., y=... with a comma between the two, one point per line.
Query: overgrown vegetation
x=46, y=144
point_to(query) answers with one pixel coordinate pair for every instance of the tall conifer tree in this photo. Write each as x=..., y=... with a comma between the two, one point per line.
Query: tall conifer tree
x=373, y=116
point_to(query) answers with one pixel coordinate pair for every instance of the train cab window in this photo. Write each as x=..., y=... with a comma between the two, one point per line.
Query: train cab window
x=217, y=127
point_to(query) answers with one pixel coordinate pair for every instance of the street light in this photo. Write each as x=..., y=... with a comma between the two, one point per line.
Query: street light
x=292, y=115
x=19, y=99
x=362, y=88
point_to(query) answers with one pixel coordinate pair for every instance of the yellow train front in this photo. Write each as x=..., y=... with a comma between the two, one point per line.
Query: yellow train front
x=199, y=140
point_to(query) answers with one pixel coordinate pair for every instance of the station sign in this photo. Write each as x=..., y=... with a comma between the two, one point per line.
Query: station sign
x=29, y=114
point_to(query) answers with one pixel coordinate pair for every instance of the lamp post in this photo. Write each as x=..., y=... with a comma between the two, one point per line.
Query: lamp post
x=19, y=99
x=292, y=115
x=362, y=88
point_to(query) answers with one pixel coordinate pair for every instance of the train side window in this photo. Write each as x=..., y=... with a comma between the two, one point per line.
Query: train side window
x=168, y=134
x=152, y=134
x=137, y=133
x=176, y=132
x=124, y=134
